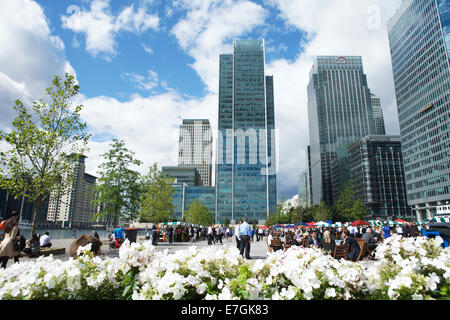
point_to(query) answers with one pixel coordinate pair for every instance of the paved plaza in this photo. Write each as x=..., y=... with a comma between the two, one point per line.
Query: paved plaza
x=258, y=249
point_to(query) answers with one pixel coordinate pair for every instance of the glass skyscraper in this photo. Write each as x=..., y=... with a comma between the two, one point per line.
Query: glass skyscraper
x=377, y=173
x=246, y=164
x=378, y=115
x=419, y=37
x=339, y=113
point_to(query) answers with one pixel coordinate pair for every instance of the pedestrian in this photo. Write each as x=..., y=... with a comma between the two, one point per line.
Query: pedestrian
x=236, y=234
x=220, y=234
x=95, y=234
x=11, y=230
x=45, y=241
x=155, y=234
x=260, y=234
x=386, y=231
x=245, y=233
x=210, y=234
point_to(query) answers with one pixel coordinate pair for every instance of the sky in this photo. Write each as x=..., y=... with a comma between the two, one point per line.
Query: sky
x=144, y=65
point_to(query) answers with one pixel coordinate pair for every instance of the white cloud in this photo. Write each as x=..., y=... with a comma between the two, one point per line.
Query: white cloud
x=210, y=27
x=101, y=27
x=149, y=126
x=143, y=82
x=333, y=28
x=30, y=55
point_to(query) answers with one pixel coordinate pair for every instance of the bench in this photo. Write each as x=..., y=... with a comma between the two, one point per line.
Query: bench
x=46, y=252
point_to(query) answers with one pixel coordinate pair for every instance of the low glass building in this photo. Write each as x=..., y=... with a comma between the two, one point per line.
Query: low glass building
x=185, y=194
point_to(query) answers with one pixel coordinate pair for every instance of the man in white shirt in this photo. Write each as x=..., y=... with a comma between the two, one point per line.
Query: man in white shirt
x=236, y=233
x=45, y=240
x=210, y=234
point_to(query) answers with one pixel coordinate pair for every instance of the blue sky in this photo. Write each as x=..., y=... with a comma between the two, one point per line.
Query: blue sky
x=144, y=65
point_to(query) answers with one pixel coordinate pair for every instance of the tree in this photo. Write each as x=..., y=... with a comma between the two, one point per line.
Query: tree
x=322, y=212
x=198, y=214
x=118, y=188
x=43, y=138
x=157, y=195
x=348, y=205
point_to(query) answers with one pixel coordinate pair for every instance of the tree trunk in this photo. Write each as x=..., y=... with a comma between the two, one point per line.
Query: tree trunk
x=37, y=205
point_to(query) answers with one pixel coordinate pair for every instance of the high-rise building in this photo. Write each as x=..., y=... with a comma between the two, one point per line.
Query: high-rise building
x=339, y=113
x=188, y=175
x=246, y=162
x=195, y=147
x=378, y=115
x=377, y=175
x=419, y=38
x=74, y=207
x=304, y=182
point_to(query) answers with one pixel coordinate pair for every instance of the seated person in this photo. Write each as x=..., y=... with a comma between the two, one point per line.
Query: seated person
x=82, y=241
x=370, y=239
x=45, y=240
x=354, y=247
x=327, y=243
x=314, y=241
x=34, y=246
x=276, y=236
x=290, y=240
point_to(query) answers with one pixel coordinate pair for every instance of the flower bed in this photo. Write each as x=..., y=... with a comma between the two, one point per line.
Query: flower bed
x=406, y=269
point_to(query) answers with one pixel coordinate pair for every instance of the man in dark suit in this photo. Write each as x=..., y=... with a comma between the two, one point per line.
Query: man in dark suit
x=354, y=248
x=314, y=241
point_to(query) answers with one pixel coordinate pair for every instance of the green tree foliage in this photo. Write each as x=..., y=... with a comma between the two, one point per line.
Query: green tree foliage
x=322, y=212
x=348, y=205
x=118, y=186
x=156, y=198
x=302, y=214
x=41, y=140
x=198, y=214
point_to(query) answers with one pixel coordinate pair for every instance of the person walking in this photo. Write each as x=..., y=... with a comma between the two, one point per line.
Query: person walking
x=386, y=231
x=155, y=234
x=236, y=234
x=210, y=234
x=245, y=232
x=11, y=230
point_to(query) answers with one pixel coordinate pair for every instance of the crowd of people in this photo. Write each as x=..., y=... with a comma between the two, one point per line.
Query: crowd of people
x=13, y=242
x=327, y=238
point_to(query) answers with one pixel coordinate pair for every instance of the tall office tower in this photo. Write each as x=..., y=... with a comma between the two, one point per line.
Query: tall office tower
x=304, y=182
x=195, y=147
x=378, y=115
x=339, y=113
x=74, y=208
x=419, y=37
x=378, y=176
x=246, y=164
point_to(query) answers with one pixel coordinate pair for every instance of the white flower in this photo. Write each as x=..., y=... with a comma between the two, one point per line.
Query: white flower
x=330, y=292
